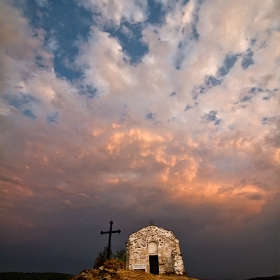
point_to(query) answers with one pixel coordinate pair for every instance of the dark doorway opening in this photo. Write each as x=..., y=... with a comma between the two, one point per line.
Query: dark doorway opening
x=154, y=264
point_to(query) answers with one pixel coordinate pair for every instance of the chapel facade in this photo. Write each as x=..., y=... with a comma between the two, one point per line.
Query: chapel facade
x=154, y=250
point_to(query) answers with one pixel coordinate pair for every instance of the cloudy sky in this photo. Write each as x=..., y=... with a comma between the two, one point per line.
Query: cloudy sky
x=139, y=110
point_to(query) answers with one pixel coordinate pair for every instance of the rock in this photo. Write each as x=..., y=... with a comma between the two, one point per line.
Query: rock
x=106, y=271
x=118, y=264
x=98, y=262
x=106, y=276
x=89, y=274
x=111, y=270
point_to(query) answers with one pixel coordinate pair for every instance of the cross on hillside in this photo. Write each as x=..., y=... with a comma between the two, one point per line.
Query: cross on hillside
x=110, y=234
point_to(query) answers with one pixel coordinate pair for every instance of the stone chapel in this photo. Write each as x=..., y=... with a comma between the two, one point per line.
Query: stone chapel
x=154, y=250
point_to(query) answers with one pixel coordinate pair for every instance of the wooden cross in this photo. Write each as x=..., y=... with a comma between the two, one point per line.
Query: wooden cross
x=110, y=234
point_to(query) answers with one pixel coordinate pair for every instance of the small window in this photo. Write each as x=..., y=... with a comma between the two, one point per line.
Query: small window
x=153, y=248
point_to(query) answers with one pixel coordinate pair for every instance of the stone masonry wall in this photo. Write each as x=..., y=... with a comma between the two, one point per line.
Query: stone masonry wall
x=168, y=250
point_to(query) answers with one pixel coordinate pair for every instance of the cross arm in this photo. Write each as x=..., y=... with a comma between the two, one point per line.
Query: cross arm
x=113, y=231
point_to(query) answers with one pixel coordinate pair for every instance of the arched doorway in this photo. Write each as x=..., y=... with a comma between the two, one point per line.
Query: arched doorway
x=153, y=257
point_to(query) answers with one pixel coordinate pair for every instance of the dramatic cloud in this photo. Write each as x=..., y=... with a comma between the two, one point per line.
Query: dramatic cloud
x=140, y=110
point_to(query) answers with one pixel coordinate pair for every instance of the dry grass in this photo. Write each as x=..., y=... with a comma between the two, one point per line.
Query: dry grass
x=141, y=275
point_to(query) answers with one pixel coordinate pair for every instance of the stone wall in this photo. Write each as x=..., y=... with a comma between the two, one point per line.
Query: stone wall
x=153, y=240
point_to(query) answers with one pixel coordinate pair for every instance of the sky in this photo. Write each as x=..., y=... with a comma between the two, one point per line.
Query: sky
x=139, y=110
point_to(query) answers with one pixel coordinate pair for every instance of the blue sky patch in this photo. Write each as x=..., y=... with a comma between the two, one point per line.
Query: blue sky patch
x=198, y=90
x=228, y=64
x=156, y=12
x=247, y=59
x=212, y=117
x=20, y=100
x=64, y=71
x=211, y=81
x=89, y=90
x=246, y=98
x=29, y=114
x=253, y=41
x=194, y=33
x=254, y=90
x=39, y=61
x=188, y=107
x=181, y=51
x=53, y=118
x=130, y=37
x=178, y=60
x=267, y=120
x=61, y=34
x=150, y=116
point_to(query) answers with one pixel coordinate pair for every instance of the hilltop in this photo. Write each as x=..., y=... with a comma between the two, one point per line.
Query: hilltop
x=123, y=274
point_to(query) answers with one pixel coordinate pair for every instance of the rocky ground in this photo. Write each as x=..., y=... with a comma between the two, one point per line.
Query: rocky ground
x=113, y=269
x=123, y=274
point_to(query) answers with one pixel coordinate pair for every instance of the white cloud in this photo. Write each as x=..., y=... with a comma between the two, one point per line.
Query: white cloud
x=113, y=12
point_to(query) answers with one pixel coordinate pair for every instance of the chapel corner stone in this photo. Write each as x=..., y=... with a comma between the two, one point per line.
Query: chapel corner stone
x=154, y=250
